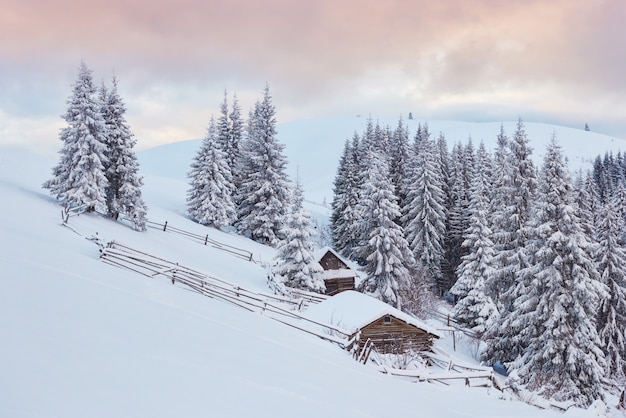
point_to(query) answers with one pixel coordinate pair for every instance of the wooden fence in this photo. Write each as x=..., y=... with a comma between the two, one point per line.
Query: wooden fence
x=284, y=309
x=203, y=239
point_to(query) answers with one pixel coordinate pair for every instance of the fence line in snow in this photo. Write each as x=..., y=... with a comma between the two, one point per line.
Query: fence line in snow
x=122, y=256
x=204, y=239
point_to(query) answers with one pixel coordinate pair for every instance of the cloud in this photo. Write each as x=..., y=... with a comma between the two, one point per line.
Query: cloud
x=175, y=58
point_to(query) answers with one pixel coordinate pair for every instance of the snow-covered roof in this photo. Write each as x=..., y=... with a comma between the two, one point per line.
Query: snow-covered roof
x=353, y=310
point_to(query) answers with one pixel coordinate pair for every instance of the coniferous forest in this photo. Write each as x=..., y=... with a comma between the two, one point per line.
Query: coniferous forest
x=532, y=257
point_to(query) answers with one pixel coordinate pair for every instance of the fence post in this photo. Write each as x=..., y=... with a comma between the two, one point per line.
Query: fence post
x=165, y=226
x=206, y=239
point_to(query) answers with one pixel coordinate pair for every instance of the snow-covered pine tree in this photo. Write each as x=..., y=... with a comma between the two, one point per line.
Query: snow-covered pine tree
x=499, y=217
x=233, y=150
x=209, y=199
x=475, y=309
x=424, y=214
x=510, y=239
x=264, y=190
x=223, y=128
x=123, y=194
x=295, y=254
x=611, y=256
x=345, y=200
x=386, y=252
x=399, y=149
x=558, y=297
x=79, y=178
x=587, y=203
x=457, y=215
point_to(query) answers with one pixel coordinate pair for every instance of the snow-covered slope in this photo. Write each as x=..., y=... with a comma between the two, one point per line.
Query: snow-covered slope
x=80, y=338
x=313, y=147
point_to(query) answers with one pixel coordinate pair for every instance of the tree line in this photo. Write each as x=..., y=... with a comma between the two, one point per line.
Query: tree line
x=534, y=258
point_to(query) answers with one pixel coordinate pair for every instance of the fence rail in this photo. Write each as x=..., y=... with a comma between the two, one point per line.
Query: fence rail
x=204, y=239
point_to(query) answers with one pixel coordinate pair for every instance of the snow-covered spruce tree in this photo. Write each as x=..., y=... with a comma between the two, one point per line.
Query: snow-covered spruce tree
x=386, y=252
x=209, y=199
x=399, y=150
x=229, y=131
x=345, y=200
x=511, y=253
x=123, y=194
x=424, y=215
x=348, y=235
x=611, y=258
x=558, y=297
x=79, y=179
x=457, y=215
x=264, y=190
x=587, y=203
x=499, y=217
x=296, y=260
x=475, y=309
x=223, y=129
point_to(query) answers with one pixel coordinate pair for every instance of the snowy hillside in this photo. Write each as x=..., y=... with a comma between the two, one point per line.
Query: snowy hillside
x=81, y=338
x=313, y=147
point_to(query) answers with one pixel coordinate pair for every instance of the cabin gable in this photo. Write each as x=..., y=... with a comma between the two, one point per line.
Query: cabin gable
x=331, y=262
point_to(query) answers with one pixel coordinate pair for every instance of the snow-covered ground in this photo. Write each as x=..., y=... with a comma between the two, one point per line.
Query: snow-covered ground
x=80, y=338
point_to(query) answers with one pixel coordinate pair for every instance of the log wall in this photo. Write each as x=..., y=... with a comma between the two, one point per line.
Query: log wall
x=396, y=336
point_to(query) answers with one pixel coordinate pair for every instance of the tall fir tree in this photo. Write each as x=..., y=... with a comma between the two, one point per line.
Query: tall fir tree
x=499, y=216
x=475, y=309
x=345, y=201
x=236, y=136
x=424, y=214
x=210, y=197
x=223, y=129
x=387, y=253
x=611, y=256
x=79, y=179
x=123, y=194
x=399, y=150
x=558, y=297
x=511, y=252
x=295, y=254
x=457, y=216
x=264, y=190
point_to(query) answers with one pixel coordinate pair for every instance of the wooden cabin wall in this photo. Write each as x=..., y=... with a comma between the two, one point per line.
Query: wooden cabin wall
x=396, y=336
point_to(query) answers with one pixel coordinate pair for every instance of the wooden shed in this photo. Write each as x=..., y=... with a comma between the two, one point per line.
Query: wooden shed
x=391, y=330
x=338, y=276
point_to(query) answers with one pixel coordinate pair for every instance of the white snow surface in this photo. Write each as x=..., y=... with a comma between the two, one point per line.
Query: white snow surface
x=81, y=338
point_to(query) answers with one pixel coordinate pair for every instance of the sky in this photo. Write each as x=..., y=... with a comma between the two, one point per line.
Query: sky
x=558, y=61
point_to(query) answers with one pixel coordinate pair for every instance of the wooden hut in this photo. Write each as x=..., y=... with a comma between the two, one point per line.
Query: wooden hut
x=338, y=276
x=391, y=330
